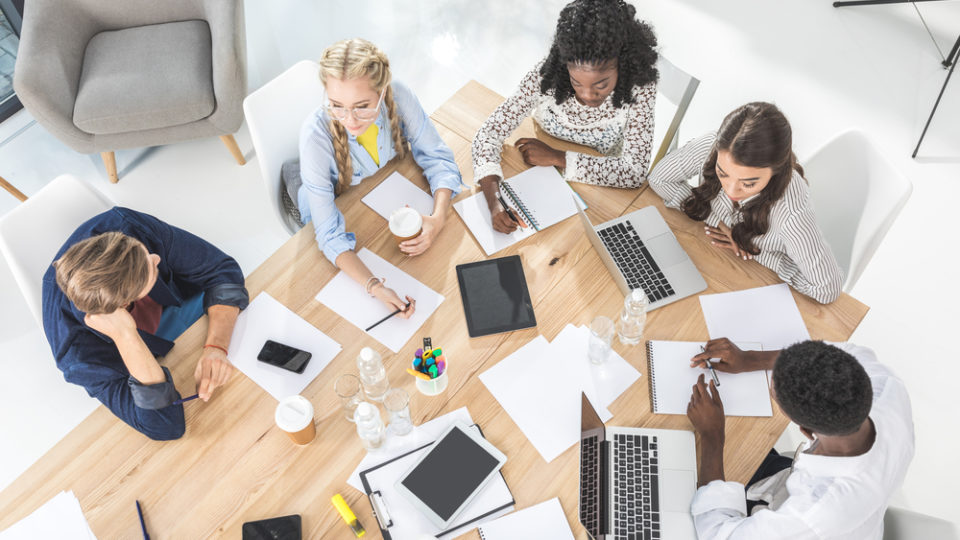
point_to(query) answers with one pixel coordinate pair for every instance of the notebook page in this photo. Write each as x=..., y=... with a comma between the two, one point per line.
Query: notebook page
x=672, y=378
x=544, y=520
x=545, y=195
x=475, y=214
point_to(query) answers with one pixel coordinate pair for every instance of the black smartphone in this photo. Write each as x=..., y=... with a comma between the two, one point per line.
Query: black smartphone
x=284, y=356
x=280, y=528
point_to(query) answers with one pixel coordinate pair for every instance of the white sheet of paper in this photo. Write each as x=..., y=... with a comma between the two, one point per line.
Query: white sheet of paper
x=766, y=315
x=348, y=299
x=743, y=394
x=266, y=318
x=60, y=517
x=539, y=386
x=396, y=192
x=475, y=214
x=409, y=523
x=544, y=520
x=395, y=446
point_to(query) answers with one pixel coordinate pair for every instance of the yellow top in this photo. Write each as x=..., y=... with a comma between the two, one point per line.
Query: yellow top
x=368, y=140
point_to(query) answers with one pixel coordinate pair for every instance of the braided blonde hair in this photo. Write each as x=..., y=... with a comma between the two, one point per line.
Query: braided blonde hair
x=349, y=59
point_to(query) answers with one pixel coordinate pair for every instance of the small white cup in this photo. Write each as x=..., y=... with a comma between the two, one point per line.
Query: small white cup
x=405, y=224
x=294, y=415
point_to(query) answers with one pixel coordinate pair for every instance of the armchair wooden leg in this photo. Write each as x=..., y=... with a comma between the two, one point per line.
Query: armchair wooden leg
x=231, y=145
x=13, y=191
x=110, y=162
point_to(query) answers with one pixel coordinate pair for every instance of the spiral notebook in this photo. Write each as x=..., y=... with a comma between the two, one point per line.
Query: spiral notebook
x=539, y=195
x=672, y=380
x=544, y=520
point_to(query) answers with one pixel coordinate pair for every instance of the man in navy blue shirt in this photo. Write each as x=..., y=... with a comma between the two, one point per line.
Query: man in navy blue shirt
x=119, y=291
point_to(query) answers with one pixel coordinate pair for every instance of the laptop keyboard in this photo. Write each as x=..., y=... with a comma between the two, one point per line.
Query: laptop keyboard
x=636, y=500
x=635, y=261
x=590, y=484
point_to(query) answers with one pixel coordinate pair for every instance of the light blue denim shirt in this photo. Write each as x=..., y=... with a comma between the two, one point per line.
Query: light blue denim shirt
x=318, y=167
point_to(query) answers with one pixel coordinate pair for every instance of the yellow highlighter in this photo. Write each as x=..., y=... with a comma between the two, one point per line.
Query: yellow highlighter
x=348, y=516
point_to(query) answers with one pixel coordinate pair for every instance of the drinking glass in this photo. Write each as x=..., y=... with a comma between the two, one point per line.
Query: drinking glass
x=397, y=403
x=347, y=387
x=601, y=334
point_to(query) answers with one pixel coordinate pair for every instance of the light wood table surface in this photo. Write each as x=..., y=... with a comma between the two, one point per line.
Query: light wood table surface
x=233, y=465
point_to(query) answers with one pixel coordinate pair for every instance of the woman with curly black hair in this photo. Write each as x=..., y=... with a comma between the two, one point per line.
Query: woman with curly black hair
x=596, y=88
x=752, y=198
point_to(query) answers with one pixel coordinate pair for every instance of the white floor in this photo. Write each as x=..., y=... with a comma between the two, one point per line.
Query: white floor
x=829, y=69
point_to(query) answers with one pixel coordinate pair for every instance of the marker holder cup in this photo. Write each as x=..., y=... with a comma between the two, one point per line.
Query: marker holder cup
x=433, y=387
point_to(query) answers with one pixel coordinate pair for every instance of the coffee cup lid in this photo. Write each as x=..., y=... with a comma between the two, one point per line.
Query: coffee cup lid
x=405, y=221
x=294, y=413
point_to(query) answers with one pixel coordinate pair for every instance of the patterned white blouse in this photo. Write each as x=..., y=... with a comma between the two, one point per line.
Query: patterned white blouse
x=793, y=245
x=624, y=136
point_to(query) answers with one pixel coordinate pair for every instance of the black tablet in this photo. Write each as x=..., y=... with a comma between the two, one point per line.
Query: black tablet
x=495, y=296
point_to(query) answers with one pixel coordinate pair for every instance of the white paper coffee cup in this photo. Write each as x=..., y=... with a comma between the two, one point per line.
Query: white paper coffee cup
x=294, y=415
x=405, y=224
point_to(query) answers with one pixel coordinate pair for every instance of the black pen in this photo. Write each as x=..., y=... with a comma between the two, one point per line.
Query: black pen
x=374, y=325
x=507, y=208
x=143, y=526
x=713, y=372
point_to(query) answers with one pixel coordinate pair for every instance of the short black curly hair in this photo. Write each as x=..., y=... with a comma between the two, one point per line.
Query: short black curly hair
x=594, y=31
x=822, y=388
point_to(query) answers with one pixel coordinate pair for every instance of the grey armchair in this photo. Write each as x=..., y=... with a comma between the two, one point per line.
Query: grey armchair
x=104, y=75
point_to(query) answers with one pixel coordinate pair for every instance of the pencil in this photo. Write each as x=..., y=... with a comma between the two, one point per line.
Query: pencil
x=143, y=526
x=398, y=310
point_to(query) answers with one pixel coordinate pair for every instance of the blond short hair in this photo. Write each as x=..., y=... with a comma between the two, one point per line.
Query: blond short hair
x=103, y=273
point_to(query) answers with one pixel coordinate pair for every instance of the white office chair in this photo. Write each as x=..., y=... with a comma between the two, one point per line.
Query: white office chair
x=31, y=233
x=900, y=524
x=857, y=195
x=678, y=88
x=274, y=114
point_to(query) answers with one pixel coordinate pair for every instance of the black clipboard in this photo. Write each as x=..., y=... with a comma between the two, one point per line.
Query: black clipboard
x=495, y=296
x=385, y=521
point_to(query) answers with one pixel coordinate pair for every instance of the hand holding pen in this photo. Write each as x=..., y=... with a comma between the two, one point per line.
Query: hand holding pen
x=706, y=360
x=726, y=356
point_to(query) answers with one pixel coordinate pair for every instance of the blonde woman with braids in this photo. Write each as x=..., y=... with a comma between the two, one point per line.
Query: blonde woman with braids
x=368, y=120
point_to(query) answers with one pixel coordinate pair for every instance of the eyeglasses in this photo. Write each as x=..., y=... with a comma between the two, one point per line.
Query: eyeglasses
x=362, y=114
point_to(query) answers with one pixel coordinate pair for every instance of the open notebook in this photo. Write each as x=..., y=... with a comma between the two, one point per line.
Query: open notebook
x=672, y=378
x=539, y=195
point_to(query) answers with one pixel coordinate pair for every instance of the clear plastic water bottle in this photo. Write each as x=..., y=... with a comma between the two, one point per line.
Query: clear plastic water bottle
x=369, y=425
x=372, y=374
x=633, y=317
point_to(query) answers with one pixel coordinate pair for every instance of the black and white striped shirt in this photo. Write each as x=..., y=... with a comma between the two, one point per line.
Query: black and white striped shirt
x=793, y=246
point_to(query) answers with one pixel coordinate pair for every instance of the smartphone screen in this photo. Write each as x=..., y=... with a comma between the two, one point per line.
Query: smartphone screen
x=284, y=356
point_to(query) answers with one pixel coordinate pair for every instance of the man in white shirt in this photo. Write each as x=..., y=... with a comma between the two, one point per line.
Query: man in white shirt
x=857, y=416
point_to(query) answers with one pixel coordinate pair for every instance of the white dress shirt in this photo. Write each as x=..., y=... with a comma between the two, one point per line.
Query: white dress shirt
x=825, y=497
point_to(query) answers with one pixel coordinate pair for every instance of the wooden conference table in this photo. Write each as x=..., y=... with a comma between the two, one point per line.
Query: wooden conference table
x=233, y=465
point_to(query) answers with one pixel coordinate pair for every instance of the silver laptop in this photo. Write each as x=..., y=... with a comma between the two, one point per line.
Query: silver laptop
x=640, y=251
x=635, y=483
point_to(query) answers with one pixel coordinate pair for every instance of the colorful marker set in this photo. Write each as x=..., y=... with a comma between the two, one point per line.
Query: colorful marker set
x=428, y=363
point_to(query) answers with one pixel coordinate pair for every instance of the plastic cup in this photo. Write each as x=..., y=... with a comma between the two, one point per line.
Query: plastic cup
x=405, y=224
x=294, y=415
x=433, y=387
x=601, y=335
x=347, y=387
x=397, y=403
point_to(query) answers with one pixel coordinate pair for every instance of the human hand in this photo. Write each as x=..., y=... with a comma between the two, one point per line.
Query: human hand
x=722, y=237
x=537, y=152
x=432, y=225
x=113, y=325
x=213, y=371
x=705, y=411
x=725, y=356
x=502, y=221
x=393, y=301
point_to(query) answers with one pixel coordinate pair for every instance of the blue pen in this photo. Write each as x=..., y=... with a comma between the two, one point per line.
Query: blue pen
x=186, y=399
x=143, y=526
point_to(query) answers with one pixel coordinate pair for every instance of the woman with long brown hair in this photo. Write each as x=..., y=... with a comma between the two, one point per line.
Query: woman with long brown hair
x=369, y=119
x=752, y=198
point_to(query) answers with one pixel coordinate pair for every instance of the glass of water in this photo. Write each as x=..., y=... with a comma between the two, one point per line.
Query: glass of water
x=601, y=334
x=397, y=403
x=347, y=387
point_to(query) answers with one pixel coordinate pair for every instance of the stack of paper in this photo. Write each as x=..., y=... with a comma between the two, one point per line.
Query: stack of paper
x=348, y=299
x=539, y=386
x=765, y=315
x=266, y=318
x=396, y=192
x=60, y=517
